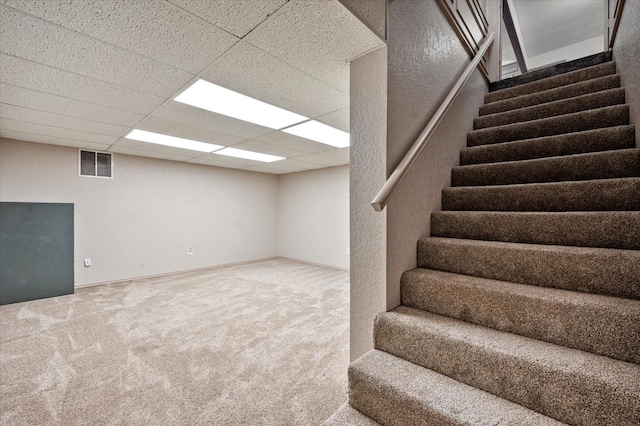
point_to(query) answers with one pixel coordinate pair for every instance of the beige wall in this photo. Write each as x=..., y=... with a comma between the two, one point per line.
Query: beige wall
x=626, y=52
x=425, y=59
x=368, y=173
x=313, y=219
x=143, y=221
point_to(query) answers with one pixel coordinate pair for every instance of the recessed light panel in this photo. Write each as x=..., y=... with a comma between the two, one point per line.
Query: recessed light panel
x=214, y=98
x=160, y=139
x=320, y=132
x=249, y=155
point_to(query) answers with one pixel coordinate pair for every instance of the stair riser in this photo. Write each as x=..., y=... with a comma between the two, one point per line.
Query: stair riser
x=576, y=122
x=578, y=89
x=602, y=325
x=552, y=82
x=558, y=393
x=612, y=138
x=567, y=106
x=586, y=229
x=603, y=271
x=592, y=195
x=607, y=165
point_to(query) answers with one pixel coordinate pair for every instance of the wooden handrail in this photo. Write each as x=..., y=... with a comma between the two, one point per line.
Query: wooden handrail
x=381, y=199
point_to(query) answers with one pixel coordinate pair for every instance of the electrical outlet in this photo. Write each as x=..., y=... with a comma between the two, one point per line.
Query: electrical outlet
x=87, y=262
x=189, y=251
x=348, y=250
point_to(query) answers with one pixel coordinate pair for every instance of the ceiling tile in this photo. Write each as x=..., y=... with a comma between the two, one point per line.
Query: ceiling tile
x=342, y=154
x=51, y=140
x=57, y=120
x=324, y=161
x=304, y=165
x=338, y=119
x=143, y=153
x=282, y=170
x=40, y=129
x=23, y=73
x=153, y=147
x=33, y=99
x=155, y=29
x=287, y=140
x=203, y=119
x=80, y=54
x=224, y=161
x=235, y=16
x=265, y=148
x=270, y=80
x=305, y=34
x=187, y=131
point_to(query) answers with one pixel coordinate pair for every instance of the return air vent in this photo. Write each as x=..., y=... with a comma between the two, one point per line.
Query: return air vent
x=95, y=164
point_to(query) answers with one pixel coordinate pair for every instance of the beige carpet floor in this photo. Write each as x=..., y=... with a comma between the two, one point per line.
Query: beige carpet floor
x=265, y=343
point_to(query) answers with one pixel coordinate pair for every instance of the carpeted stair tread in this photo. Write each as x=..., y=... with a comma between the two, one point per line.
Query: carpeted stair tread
x=588, y=195
x=396, y=392
x=617, y=115
x=589, y=73
x=551, y=95
x=604, y=325
x=619, y=229
x=346, y=415
x=552, y=70
x=612, y=272
x=569, y=385
x=600, y=165
x=609, y=138
x=565, y=106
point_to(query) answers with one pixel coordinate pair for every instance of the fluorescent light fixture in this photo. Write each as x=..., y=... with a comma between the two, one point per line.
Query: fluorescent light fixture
x=160, y=139
x=320, y=132
x=211, y=97
x=249, y=155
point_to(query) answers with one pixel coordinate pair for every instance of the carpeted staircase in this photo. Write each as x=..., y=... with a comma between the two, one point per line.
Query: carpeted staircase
x=524, y=308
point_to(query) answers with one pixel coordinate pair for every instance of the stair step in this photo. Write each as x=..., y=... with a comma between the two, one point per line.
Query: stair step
x=346, y=415
x=619, y=230
x=572, y=386
x=611, y=272
x=600, y=165
x=604, y=325
x=617, y=115
x=587, y=195
x=609, y=138
x=551, y=95
x=596, y=71
x=552, y=109
x=399, y=393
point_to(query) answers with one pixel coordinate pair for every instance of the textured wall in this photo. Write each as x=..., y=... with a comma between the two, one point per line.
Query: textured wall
x=143, y=221
x=425, y=59
x=371, y=12
x=313, y=218
x=368, y=227
x=626, y=52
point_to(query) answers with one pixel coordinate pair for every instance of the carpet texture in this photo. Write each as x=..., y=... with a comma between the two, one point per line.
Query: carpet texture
x=264, y=343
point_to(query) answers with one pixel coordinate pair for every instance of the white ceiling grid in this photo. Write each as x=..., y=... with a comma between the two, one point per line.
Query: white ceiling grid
x=83, y=73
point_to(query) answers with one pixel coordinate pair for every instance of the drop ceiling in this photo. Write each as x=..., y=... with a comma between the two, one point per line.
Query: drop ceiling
x=84, y=73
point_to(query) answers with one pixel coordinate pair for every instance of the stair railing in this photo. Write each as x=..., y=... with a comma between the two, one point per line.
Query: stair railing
x=381, y=199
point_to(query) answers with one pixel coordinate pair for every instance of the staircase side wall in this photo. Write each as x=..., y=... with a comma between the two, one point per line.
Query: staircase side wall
x=626, y=52
x=425, y=59
x=367, y=175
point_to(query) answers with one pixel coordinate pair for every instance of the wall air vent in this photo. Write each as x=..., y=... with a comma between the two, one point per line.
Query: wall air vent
x=95, y=164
